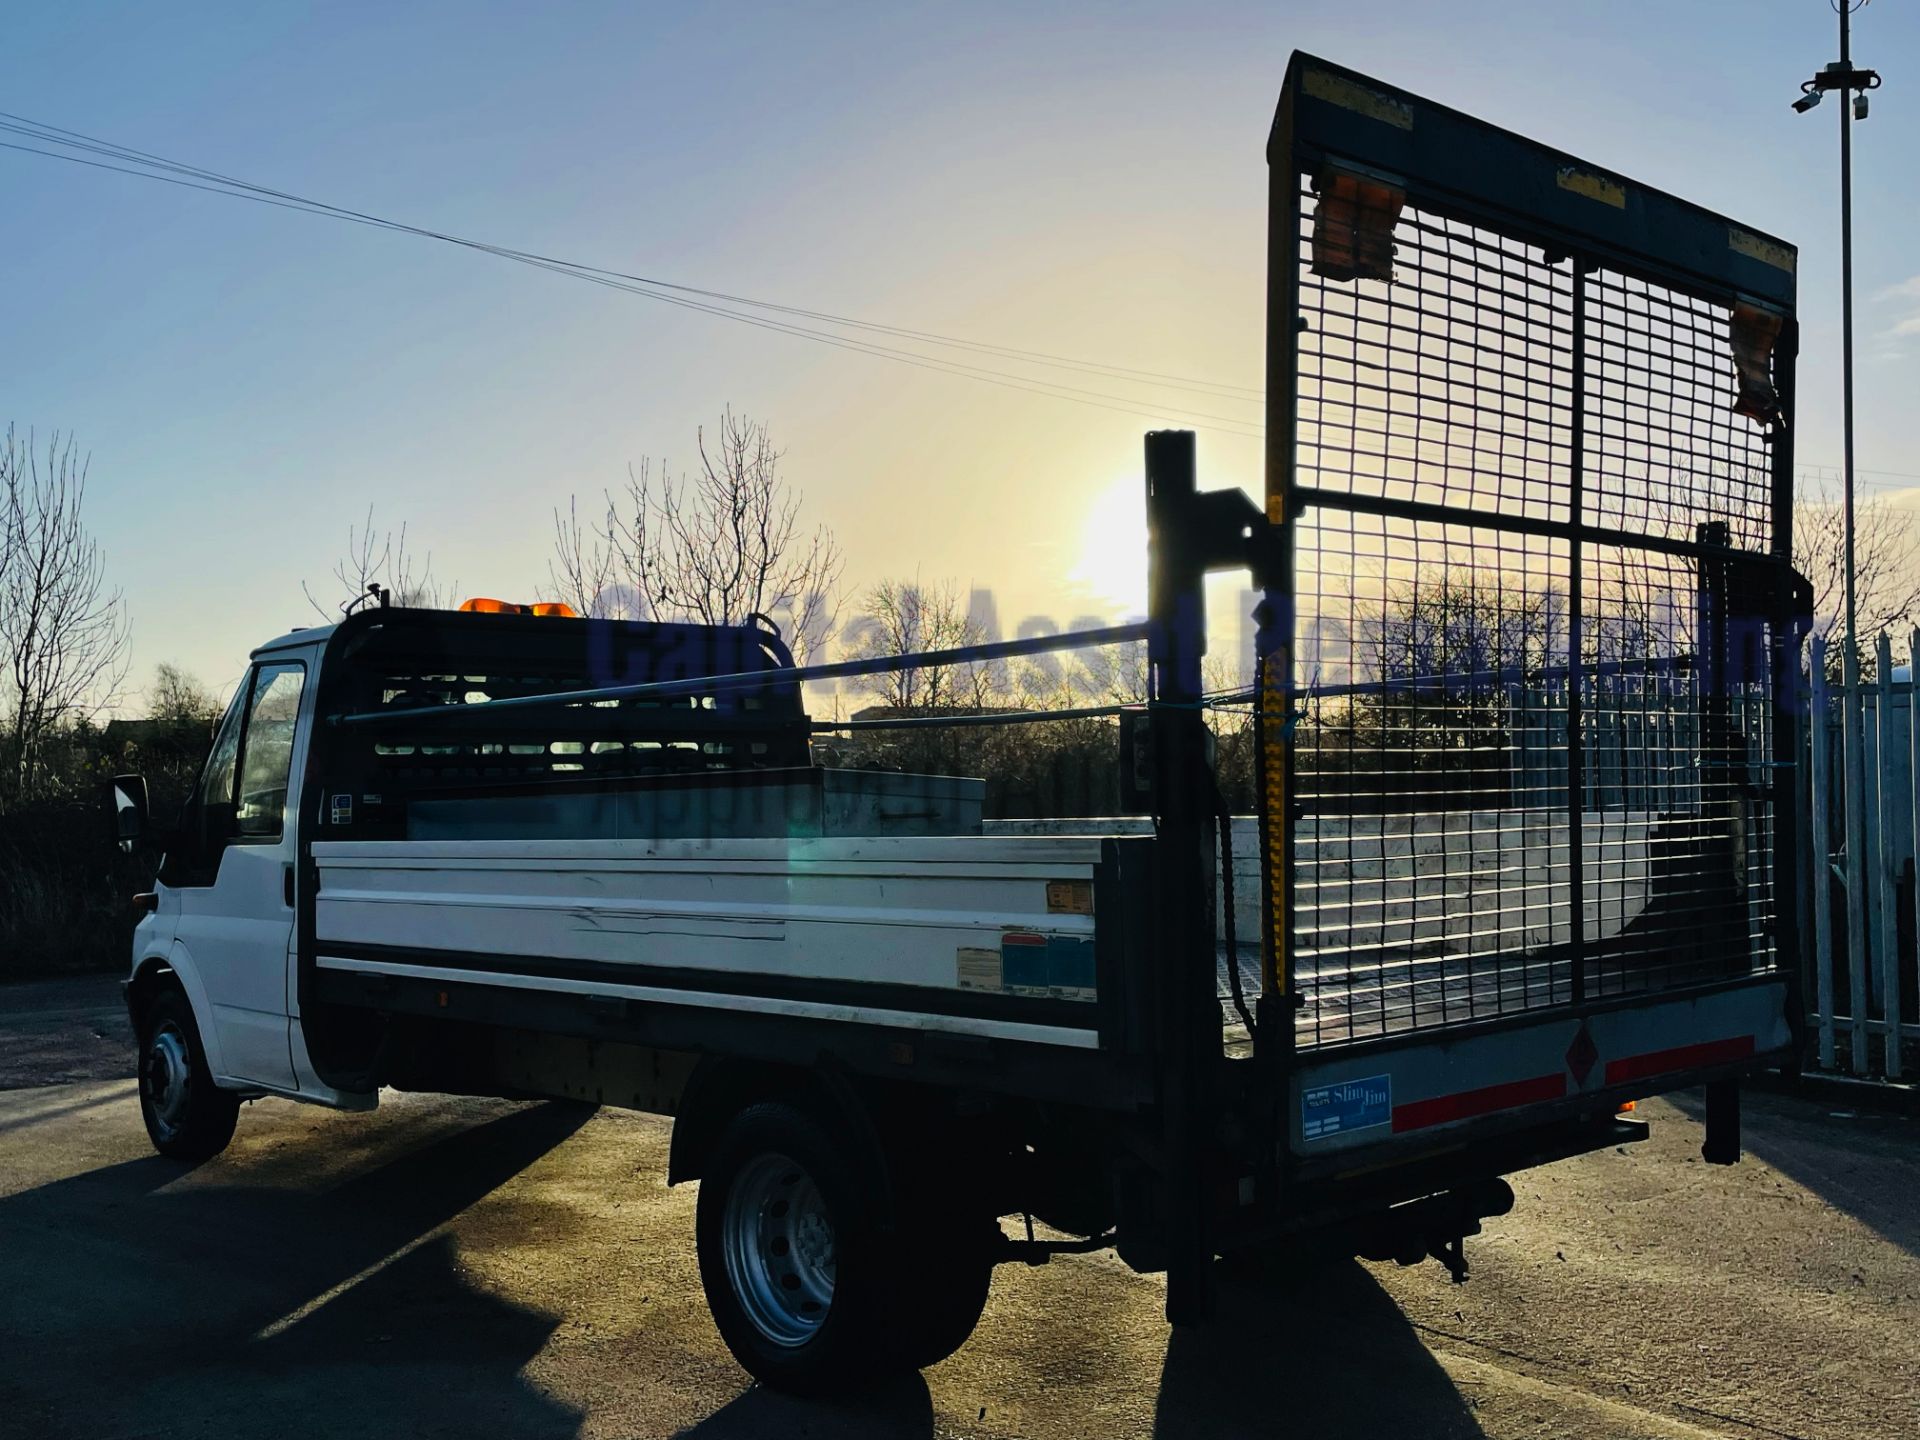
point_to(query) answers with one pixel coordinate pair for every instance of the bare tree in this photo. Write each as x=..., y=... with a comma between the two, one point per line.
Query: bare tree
x=1053, y=767
x=170, y=747
x=1045, y=766
x=1886, y=572
x=1235, y=740
x=180, y=698
x=908, y=617
x=1117, y=674
x=63, y=629
x=584, y=570
x=1435, y=670
x=714, y=548
x=375, y=557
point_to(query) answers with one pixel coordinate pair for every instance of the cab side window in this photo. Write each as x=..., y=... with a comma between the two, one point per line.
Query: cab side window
x=266, y=752
x=215, y=794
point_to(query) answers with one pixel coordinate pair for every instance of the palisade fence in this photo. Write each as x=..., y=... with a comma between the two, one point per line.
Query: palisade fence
x=1858, y=878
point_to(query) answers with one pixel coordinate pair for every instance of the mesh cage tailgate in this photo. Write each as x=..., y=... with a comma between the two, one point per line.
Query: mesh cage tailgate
x=1518, y=748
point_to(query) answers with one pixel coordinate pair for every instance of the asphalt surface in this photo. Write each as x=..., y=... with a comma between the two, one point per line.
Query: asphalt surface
x=474, y=1268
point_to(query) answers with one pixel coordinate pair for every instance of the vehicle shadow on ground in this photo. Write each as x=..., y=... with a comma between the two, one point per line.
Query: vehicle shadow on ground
x=1858, y=1160
x=1323, y=1351
x=899, y=1409
x=251, y=1309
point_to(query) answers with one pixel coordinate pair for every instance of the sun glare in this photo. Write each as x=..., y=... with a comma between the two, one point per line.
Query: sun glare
x=1112, y=565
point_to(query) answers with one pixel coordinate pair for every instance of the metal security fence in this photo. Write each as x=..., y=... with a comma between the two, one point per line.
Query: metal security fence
x=1863, y=910
x=1536, y=556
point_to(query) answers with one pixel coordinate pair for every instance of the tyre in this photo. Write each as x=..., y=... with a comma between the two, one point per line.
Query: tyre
x=188, y=1117
x=792, y=1260
x=941, y=1276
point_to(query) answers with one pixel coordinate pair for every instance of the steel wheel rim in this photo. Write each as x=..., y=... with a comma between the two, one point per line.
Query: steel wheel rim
x=169, y=1071
x=778, y=1242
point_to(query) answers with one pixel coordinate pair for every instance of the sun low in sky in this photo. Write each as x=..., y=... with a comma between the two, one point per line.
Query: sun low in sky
x=1111, y=568
x=1049, y=226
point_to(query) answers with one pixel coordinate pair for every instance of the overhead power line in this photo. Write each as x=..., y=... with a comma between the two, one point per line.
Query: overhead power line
x=57, y=135
x=147, y=165
x=1889, y=482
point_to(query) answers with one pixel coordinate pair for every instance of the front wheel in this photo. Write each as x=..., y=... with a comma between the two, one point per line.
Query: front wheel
x=188, y=1117
x=790, y=1256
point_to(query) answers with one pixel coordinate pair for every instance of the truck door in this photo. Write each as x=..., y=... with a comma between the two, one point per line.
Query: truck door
x=234, y=874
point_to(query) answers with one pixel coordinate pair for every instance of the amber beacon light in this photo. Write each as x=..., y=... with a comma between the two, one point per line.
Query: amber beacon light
x=485, y=605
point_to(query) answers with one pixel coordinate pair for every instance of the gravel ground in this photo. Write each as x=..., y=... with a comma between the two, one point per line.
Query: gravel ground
x=462, y=1267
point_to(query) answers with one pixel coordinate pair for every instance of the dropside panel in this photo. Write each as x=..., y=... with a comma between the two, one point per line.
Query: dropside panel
x=987, y=937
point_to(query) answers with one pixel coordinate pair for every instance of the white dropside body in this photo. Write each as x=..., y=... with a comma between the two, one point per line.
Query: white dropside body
x=922, y=933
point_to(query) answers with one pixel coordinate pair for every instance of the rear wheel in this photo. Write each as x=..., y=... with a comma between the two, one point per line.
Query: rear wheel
x=795, y=1274
x=943, y=1273
x=188, y=1117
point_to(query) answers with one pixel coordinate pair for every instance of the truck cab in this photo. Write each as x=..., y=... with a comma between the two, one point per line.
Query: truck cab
x=221, y=929
x=221, y=924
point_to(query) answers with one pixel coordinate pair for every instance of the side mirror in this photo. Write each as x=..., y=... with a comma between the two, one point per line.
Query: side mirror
x=127, y=798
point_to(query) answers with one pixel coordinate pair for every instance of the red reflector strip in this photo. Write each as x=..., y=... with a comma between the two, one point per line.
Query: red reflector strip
x=1418, y=1114
x=1681, y=1057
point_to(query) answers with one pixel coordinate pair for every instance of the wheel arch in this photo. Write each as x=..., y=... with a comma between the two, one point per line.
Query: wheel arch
x=176, y=970
x=721, y=1088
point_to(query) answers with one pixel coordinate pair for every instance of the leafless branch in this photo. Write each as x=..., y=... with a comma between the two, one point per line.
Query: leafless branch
x=1886, y=571
x=63, y=629
x=383, y=558
x=714, y=547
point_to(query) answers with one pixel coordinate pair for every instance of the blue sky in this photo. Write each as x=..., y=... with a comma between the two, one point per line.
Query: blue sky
x=1084, y=179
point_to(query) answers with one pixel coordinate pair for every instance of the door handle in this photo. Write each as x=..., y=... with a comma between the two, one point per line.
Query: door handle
x=286, y=886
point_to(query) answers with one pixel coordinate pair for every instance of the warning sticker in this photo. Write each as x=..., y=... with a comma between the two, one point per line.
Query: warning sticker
x=1069, y=897
x=1350, y=1105
x=979, y=968
x=1058, y=967
x=1338, y=90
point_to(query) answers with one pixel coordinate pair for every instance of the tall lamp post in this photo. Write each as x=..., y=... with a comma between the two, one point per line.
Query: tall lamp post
x=1841, y=75
x=1853, y=85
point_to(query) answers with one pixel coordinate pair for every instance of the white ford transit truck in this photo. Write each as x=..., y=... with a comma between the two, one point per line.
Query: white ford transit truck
x=1527, y=644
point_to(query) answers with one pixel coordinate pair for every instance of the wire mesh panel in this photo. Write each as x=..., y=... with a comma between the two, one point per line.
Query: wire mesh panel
x=1531, y=715
x=1665, y=450
x=1677, y=833
x=1682, y=859
x=1452, y=384
x=1431, y=848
